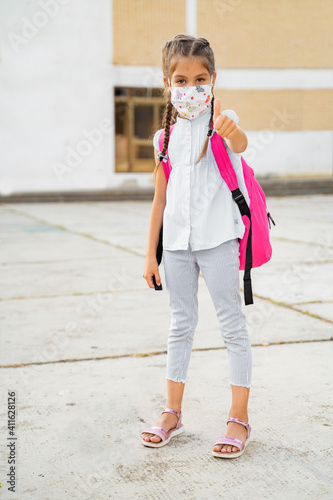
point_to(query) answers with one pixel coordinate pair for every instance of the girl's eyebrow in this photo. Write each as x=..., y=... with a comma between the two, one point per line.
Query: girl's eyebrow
x=181, y=76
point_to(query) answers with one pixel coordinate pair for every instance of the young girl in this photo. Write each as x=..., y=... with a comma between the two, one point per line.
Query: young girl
x=201, y=227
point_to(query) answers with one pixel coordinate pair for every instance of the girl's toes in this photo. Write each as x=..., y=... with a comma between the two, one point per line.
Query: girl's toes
x=225, y=448
x=155, y=439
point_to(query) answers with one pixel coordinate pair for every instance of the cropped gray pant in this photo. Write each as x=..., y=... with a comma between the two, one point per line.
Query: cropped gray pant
x=220, y=269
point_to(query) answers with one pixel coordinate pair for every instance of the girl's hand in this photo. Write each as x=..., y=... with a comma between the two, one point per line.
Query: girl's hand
x=151, y=267
x=234, y=136
x=223, y=125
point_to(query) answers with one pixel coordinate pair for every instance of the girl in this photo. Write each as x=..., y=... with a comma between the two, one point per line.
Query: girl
x=201, y=227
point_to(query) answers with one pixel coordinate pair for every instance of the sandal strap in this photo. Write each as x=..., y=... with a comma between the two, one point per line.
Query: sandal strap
x=232, y=441
x=159, y=431
x=246, y=424
x=170, y=410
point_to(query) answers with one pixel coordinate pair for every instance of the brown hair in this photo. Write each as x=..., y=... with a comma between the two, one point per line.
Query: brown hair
x=183, y=46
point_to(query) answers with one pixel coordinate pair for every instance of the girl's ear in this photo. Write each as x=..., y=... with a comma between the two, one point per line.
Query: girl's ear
x=166, y=83
x=214, y=77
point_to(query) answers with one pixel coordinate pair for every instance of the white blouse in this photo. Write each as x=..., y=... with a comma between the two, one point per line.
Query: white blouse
x=199, y=205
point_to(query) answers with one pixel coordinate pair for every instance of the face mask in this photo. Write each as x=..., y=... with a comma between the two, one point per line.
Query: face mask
x=191, y=102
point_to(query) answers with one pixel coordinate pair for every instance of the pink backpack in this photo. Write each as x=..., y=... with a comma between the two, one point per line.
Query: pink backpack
x=254, y=248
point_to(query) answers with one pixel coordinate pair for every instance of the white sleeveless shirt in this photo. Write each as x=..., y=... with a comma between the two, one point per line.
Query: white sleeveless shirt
x=199, y=205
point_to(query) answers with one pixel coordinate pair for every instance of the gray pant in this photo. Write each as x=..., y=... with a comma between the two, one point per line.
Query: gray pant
x=220, y=269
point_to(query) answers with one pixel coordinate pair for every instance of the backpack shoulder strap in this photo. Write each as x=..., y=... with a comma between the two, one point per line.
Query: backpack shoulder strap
x=229, y=175
x=223, y=161
x=166, y=163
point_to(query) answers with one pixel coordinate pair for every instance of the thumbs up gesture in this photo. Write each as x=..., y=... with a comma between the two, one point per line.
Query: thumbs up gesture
x=223, y=125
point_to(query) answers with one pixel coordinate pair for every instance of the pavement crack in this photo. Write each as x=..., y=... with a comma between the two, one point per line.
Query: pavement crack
x=311, y=302
x=293, y=308
x=291, y=240
x=71, y=231
x=158, y=353
x=62, y=295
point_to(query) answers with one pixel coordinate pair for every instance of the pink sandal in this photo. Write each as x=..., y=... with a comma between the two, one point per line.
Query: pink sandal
x=233, y=441
x=159, y=431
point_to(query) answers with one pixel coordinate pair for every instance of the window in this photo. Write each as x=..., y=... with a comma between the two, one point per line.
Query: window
x=139, y=114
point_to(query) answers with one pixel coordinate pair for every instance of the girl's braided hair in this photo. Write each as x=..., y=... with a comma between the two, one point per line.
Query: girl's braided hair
x=173, y=50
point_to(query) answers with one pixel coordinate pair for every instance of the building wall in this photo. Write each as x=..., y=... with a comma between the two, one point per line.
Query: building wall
x=55, y=82
x=304, y=109
x=141, y=27
x=251, y=34
x=248, y=35
x=276, y=77
x=59, y=66
x=268, y=33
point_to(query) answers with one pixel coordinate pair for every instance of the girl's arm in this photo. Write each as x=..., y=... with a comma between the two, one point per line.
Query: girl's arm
x=156, y=220
x=236, y=140
x=156, y=216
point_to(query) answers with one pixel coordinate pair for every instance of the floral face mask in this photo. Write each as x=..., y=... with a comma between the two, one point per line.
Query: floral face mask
x=191, y=102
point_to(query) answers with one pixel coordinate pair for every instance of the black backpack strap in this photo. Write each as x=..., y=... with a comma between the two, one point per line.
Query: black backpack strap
x=159, y=249
x=244, y=210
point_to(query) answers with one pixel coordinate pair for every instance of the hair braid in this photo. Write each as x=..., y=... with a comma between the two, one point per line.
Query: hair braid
x=167, y=123
x=167, y=120
x=205, y=146
x=212, y=111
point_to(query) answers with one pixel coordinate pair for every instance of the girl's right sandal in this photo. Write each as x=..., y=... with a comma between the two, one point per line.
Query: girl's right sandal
x=159, y=431
x=233, y=441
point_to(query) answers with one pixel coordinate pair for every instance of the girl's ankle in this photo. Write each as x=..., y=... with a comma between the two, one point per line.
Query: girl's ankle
x=177, y=408
x=240, y=415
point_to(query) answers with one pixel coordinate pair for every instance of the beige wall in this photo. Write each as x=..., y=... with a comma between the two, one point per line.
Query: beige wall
x=243, y=33
x=268, y=33
x=280, y=109
x=246, y=34
x=141, y=28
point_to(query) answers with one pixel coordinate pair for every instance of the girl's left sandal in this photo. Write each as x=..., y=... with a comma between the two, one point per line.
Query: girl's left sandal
x=233, y=441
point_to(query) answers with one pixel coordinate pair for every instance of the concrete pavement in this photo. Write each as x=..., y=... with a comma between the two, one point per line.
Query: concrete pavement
x=83, y=346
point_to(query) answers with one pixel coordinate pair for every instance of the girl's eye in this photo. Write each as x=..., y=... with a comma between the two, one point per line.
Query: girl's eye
x=181, y=82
